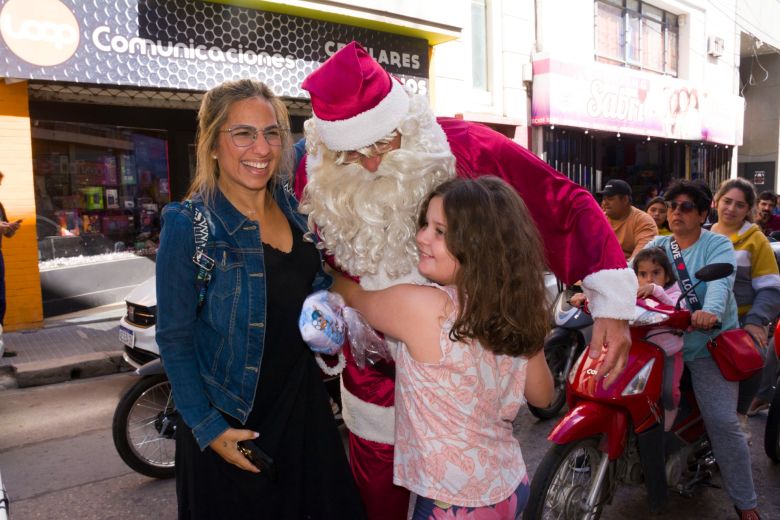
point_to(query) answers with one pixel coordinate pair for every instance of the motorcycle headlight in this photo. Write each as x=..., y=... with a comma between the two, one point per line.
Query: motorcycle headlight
x=639, y=381
x=644, y=316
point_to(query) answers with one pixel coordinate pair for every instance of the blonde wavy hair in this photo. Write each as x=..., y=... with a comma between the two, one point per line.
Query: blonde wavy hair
x=213, y=113
x=368, y=220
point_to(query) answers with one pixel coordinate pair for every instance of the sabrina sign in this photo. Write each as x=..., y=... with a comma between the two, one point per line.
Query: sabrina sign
x=610, y=98
x=619, y=103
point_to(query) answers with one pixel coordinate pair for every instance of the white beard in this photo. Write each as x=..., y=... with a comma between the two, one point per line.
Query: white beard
x=368, y=221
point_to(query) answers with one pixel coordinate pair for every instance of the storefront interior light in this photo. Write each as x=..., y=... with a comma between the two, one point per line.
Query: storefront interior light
x=552, y=127
x=586, y=131
x=675, y=141
x=648, y=137
x=618, y=135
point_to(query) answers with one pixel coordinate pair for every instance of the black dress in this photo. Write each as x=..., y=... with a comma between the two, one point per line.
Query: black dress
x=291, y=412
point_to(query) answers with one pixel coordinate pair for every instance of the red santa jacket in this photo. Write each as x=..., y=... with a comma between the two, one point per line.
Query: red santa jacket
x=577, y=239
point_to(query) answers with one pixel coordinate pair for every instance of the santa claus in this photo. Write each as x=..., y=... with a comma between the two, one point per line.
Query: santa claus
x=374, y=150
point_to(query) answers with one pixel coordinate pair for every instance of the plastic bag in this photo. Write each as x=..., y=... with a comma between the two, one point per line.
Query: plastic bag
x=325, y=323
x=365, y=344
x=321, y=324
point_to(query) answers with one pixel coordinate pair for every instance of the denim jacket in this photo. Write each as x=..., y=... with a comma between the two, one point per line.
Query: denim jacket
x=212, y=356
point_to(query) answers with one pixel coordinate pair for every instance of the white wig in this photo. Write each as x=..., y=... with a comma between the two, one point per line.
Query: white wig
x=368, y=221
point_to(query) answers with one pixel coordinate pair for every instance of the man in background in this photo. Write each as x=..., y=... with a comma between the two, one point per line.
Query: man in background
x=633, y=227
x=7, y=229
x=767, y=220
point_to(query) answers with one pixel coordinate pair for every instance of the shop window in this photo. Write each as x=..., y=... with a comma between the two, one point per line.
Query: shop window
x=99, y=189
x=637, y=35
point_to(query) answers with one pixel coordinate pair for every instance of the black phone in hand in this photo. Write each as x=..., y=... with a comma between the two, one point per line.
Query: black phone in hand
x=258, y=457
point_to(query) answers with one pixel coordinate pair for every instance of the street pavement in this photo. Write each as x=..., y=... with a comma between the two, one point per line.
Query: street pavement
x=68, y=347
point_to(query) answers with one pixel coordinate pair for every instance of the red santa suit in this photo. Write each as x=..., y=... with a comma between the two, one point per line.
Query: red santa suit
x=579, y=243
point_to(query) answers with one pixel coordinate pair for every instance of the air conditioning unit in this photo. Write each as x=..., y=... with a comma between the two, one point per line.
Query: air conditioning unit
x=715, y=46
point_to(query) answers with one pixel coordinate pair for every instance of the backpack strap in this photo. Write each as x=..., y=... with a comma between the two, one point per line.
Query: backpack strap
x=200, y=228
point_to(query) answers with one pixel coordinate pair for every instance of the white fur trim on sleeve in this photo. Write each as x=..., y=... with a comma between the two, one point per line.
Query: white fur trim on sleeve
x=367, y=420
x=611, y=293
x=367, y=127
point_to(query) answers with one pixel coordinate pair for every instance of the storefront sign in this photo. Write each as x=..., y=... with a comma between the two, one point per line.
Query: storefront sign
x=605, y=97
x=184, y=44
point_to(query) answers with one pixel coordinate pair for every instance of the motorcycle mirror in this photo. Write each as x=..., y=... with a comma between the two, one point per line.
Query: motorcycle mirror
x=708, y=273
x=712, y=272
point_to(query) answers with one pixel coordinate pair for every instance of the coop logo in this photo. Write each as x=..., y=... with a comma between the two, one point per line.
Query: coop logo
x=41, y=32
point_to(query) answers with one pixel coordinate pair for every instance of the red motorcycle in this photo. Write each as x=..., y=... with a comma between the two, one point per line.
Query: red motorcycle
x=772, y=432
x=615, y=436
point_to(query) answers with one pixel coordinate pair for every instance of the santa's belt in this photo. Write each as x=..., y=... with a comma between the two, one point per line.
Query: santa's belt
x=367, y=420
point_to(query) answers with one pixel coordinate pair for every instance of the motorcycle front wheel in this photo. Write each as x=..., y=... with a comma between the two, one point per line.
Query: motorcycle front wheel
x=144, y=426
x=566, y=476
x=557, y=356
x=772, y=432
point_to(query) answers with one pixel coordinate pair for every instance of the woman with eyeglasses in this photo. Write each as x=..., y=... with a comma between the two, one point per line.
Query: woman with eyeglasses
x=710, y=303
x=757, y=286
x=233, y=270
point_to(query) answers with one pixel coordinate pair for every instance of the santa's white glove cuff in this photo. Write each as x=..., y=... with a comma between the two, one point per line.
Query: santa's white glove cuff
x=611, y=293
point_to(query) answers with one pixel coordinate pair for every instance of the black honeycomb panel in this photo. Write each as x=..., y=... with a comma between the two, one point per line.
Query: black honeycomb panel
x=300, y=41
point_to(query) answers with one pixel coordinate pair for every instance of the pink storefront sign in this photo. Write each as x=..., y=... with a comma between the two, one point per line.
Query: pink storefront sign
x=605, y=97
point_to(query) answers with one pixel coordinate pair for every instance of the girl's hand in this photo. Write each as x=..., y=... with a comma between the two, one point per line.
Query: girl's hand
x=577, y=300
x=703, y=320
x=645, y=290
x=226, y=446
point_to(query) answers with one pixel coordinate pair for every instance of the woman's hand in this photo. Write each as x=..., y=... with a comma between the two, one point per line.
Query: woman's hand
x=758, y=332
x=703, y=320
x=226, y=446
x=645, y=290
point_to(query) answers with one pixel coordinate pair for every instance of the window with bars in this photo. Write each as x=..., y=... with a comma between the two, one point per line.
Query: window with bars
x=635, y=34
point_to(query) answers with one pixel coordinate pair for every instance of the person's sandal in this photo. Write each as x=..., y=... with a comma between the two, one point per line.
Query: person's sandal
x=748, y=514
x=757, y=406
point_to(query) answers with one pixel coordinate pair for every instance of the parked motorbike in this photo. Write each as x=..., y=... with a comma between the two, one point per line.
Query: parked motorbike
x=572, y=331
x=145, y=419
x=772, y=432
x=615, y=436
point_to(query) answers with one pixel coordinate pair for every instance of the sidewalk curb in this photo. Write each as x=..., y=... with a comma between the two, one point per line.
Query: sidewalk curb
x=37, y=373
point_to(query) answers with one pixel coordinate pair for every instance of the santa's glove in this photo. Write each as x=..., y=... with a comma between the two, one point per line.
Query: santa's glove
x=365, y=344
x=321, y=322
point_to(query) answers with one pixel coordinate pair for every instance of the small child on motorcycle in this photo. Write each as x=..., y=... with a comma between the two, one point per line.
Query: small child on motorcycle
x=657, y=280
x=471, y=353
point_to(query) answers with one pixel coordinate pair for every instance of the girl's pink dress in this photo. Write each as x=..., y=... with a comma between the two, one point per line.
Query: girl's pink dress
x=453, y=434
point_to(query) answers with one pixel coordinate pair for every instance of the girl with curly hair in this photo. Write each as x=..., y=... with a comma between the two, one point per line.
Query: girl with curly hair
x=473, y=349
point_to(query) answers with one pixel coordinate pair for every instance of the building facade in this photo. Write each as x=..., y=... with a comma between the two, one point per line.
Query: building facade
x=98, y=104
x=760, y=86
x=647, y=93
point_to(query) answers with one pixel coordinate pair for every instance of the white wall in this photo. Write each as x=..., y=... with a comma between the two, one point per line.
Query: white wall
x=510, y=35
x=566, y=32
x=761, y=18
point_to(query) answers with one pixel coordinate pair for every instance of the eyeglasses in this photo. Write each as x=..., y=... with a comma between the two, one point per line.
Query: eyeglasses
x=245, y=135
x=354, y=156
x=686, y=206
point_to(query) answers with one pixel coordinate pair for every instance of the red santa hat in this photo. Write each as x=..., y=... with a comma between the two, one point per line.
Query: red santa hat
x=355, y=101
